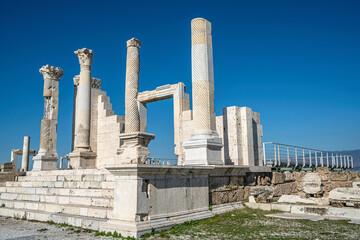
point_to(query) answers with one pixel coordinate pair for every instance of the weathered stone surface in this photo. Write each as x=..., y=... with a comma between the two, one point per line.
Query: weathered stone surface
x=262, y=192
x=278, y=178
x=338, y=176
x=252, y=199
x=324, y=173
x=312, y=183
x=334, y=185
x=294, y=199
x=289, y=177
x=356, y=184
x=285, y=189
x=346, y=194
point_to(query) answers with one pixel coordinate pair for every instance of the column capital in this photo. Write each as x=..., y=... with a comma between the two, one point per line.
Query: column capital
x=52, y=72
x=95, y=82
x=85, y=57
x=133, y=43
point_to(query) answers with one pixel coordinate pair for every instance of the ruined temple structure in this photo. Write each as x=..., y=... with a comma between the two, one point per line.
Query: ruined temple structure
x=109, y=184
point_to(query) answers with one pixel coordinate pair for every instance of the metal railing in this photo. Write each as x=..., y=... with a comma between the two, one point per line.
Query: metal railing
x=287, y=156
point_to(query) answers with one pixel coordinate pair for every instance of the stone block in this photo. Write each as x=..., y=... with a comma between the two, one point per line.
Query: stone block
x=356, y=184
x=289, y=177
x=346, y=194
x=285, y=189
x=281, y=207
x=312, y=183
x=278, y=178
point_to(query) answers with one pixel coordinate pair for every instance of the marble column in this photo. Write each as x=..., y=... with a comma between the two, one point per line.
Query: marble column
x=25, y=154
x=82, y=155
x=47, y=156
x=134, y=148
x=204, y=147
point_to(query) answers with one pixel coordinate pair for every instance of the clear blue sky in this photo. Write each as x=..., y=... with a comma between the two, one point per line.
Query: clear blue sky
x=297, y=63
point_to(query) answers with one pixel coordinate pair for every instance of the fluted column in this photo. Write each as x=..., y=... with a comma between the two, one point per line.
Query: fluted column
x=132, y=119
x=82, y=155
x=47, y=156
x=204, y=147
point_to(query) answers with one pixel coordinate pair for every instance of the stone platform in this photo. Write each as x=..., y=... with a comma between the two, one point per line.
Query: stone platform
x=82, y=198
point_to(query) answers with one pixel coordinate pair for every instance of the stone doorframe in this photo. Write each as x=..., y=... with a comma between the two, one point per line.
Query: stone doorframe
x=181, y=103
x=15, y=153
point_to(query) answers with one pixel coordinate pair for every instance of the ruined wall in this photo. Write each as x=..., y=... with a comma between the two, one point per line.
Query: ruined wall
x=241, y=133
x=270, y=186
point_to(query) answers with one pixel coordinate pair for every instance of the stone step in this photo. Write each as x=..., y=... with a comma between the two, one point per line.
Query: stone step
x=79, y=192
x=69, y=177
x=73, y=209
x=78, y=221
x=87, y=201
x=64, y=184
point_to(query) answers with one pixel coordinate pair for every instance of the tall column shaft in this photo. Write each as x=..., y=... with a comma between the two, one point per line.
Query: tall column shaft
x=134, y=148
x=82, y=155
x=202, y=76
x=132, y=118
x=204, y=146
x=25, y=154
x=83, y=104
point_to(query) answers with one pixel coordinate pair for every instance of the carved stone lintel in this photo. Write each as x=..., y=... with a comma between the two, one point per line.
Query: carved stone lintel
x=133, y=43
x=95, y=82
x=52, y=72
x=85, y=58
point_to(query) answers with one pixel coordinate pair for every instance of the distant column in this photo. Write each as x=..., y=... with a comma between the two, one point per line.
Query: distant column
x=204, y=147
x=25, y=154
x=47, y=156
x=82, y=156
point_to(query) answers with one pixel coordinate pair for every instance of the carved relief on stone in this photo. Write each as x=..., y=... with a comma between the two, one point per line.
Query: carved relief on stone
x=95, y=82
x=54, y=73
x=85, y=57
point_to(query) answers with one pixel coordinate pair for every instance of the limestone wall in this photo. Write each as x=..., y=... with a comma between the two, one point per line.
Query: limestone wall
x=105, y=126
x=241, y=134
x=270, y=186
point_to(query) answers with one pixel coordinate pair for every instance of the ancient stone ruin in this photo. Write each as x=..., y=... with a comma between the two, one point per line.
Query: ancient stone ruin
x=109, y=183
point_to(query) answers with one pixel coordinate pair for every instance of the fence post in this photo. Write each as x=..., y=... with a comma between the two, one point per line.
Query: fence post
x=296, y=158
x=304, y=160
x=327, y=159
x=288, y=157
x=264, y=154
x=310, y=160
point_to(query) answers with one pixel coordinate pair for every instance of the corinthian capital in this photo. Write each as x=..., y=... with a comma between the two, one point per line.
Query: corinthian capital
x=85, y=57
x=51, y=72
x=133, y=43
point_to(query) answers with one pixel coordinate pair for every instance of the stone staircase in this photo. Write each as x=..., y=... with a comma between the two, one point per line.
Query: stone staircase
x=82, y=198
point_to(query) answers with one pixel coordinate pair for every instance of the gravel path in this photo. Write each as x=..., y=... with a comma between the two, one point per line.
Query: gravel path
x=28, y=230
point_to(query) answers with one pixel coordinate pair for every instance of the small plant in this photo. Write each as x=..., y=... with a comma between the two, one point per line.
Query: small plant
x=2, y=205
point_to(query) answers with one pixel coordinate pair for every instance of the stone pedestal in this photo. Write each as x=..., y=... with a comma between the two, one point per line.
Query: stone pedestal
x=204, y=146
x=203, y=150
x=82, y=159
x=135, y=148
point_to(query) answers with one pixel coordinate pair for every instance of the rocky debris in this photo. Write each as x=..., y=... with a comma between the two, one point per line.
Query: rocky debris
x=285, y=189
x=289, y=177
x=278, y=178
x=262, y=193
x=338, y=176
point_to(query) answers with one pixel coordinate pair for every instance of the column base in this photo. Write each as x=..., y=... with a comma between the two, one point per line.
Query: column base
x=82, y=159
x=43, y=162
x=134, y=149
x=203, y=149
